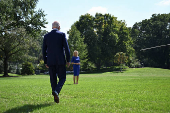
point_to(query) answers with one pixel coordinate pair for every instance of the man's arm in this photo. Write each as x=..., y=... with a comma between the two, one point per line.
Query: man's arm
x=44, y=50
x=67, y=50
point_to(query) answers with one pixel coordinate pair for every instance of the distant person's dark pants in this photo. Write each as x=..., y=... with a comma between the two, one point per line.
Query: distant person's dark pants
x=60, y=71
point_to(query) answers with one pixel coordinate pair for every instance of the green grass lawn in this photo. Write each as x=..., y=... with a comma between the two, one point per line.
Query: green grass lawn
x=143, y=90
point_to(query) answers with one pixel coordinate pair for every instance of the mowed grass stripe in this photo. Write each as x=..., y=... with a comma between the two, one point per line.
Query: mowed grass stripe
x=135, y=90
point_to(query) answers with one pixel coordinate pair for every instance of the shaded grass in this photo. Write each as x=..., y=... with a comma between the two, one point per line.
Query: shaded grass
x=103, y=70
x=11, y=75
x=135, y=90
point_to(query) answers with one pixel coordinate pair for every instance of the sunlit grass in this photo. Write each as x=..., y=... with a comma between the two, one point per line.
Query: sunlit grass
x=135, y=90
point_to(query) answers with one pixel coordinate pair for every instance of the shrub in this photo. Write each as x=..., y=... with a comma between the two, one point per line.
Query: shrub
x=42, y=66
x=27, y=69
x=135, y=63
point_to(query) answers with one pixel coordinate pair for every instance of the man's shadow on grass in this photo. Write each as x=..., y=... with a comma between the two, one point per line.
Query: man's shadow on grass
x=27, y=108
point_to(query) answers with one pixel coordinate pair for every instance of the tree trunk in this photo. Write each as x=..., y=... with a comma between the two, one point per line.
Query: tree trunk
x=168, y=57
x=5, y=67
x=98, y=65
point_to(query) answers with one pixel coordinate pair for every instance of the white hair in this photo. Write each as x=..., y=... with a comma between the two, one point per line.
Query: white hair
x=55, y=24
x=75, y=51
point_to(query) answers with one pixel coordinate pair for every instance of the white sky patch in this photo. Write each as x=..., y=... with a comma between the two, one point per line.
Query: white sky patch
x=164, y=3
x=99, y=9
x=48, y=27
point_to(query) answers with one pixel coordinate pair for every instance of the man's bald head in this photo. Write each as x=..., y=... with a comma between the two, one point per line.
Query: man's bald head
x=56, y=25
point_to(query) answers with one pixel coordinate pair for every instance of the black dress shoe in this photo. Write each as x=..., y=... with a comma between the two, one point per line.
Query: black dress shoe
x=56, y=97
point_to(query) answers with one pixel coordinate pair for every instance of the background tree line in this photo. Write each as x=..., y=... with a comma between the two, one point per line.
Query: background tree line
x=105, y=36
x=97, y=38
x=150, y=33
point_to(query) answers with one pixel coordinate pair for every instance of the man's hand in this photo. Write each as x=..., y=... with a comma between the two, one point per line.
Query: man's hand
x=46, y=66
x=68, y=64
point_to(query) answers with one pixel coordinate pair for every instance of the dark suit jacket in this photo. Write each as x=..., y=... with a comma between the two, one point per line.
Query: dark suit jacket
x=54, y=48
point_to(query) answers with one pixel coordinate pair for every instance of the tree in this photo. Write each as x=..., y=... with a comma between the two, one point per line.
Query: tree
x=35, y=50
x=13, y=43
x=120, y=58
x=150, y=33
x=104, y=36
x=19, y=25
x=77, y=43
x=40, y=44
x=125, y=42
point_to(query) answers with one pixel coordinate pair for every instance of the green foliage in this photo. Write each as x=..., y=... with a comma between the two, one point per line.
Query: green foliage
x=150, y=33
x=27, y=69
x=104, y=36
x=141, y=90
x=120, y=58
x=20, y=24
x=35, y=50
x=89, y=65
x=21, y=14
x=42, y=66
x=77, y=43
x=14, y=44
x=134, y=63
x=12, y=69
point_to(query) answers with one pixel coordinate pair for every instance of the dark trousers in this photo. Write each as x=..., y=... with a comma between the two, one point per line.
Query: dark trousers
x=60, y=71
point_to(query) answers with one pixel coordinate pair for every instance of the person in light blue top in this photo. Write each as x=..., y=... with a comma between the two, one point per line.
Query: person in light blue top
x=76, y=66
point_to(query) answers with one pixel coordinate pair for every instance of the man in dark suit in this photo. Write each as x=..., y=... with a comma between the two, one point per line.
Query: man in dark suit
x=55, y=47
